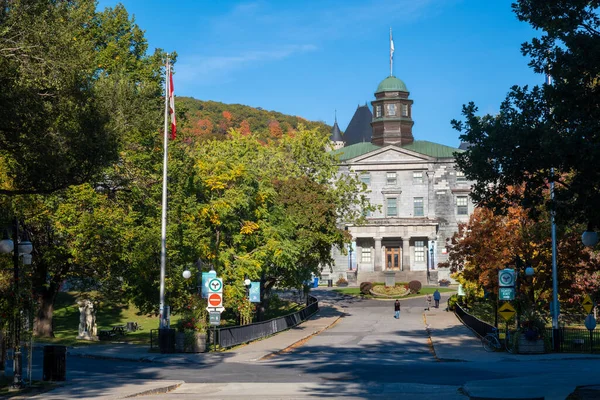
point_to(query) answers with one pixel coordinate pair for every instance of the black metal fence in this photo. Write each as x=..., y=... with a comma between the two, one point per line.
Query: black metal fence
x=234, y=335
x=576, y=340
x=571, y=340
x=475, y=324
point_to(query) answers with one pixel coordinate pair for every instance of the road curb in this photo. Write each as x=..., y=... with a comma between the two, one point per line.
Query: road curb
x=160, y=390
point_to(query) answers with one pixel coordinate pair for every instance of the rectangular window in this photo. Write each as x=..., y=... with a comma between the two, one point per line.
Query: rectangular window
x=419, y=251
x=418, y=177
x=390, y=178
x=460, y=176
x=405, y=110
x=365, y=178
x=378, y=112
x=391, y=110
x=462, y=207
x=392, y=207
x=365, y=255
x=418, y=206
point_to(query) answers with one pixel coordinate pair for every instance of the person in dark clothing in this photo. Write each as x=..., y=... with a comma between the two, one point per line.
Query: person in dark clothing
x=436, y=297
x=397, y=309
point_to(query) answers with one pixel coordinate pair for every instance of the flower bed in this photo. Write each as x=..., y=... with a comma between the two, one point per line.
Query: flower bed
x=389, y=291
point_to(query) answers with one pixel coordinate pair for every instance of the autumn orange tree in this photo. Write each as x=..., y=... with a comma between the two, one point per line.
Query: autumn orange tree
x=490, y=242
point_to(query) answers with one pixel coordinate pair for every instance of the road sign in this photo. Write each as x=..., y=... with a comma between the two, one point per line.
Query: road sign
x=215, y=309
x=506, y=311
x=206, y=277
x=215, y=300
x=590, y=322
x=506, y=293
x=214, y=317
x=587, y=303
x=506, y=277
x=215, y=285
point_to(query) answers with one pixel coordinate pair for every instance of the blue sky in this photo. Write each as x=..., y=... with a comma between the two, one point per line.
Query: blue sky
x=312, y=57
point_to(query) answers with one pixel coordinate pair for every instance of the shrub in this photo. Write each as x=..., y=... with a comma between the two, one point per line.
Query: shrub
x=341, y=282
x=414, y=286
x=365, y=287
x=444, y=282
x=452, y=301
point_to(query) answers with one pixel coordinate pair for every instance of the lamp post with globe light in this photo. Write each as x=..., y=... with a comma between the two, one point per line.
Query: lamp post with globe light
x=24, y=249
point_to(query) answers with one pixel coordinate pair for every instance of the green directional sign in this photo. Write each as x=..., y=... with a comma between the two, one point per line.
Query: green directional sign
x=506, y=293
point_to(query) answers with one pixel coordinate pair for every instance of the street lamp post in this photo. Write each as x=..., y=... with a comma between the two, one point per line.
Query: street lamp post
x=247, y=284
x=529, y=271
x=18, y=248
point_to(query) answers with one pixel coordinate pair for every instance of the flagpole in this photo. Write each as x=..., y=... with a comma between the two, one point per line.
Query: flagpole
x=163, y=230
x=391, y=53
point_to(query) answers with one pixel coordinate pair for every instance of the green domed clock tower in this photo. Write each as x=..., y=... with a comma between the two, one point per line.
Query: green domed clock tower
x=392, y=114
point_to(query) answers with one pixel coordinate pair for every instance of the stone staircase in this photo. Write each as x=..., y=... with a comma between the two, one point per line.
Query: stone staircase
x=401, y=276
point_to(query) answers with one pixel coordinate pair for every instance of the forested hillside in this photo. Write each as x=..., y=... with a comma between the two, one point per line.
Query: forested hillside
x=214, y=118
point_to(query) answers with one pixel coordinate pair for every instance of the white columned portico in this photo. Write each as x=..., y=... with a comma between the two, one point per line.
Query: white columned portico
x=405, y=254
x=378, y=264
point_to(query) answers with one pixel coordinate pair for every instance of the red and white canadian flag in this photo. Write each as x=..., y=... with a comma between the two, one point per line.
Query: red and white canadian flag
x=172, y=106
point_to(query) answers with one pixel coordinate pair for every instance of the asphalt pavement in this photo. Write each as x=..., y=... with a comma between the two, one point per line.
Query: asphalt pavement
x=335, y=354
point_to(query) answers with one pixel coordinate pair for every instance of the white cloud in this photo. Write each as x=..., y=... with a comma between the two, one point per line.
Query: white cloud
x=204, y=69
x=278, y=32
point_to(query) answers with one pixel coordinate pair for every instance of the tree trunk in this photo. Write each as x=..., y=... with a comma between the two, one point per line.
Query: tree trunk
x=42, y=325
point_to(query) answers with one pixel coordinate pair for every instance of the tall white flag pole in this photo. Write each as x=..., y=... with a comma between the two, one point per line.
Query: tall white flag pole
x=391, y=54
x=163, y=228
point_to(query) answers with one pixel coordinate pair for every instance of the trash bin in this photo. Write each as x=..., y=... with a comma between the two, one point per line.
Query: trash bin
x=166, y=340
x=329, y=282
x=55, y=363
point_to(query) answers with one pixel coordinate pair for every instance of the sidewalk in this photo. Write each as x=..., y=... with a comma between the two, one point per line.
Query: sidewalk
x=91, y=388
x=325, y=317
x=452, y=341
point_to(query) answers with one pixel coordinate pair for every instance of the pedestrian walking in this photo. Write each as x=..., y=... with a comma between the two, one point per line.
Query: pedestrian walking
x=436, y=297
x=428, y=300
x=397, y=309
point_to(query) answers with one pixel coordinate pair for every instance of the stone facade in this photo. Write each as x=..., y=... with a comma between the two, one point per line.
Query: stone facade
x=421, y=199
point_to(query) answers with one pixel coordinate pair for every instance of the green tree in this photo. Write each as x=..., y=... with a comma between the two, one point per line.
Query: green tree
x=74, y=229
x=554, y=126
x=53, y=130
x=266, y=210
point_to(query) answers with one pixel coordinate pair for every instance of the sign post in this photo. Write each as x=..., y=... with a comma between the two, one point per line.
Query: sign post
x=590, y=324
x=215, y=295
x=506, y=311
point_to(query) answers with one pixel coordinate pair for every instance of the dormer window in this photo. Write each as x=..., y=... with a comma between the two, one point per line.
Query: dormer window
x=378, y=112
x=405, y=110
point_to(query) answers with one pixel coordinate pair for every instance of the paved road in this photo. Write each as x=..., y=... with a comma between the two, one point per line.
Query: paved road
x=366, y=354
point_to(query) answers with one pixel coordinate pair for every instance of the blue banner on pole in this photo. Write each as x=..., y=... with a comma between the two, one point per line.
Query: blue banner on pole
x=254, y=293
x=206, y=276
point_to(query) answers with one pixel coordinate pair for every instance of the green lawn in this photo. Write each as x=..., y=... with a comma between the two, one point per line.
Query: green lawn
x=354, y=291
